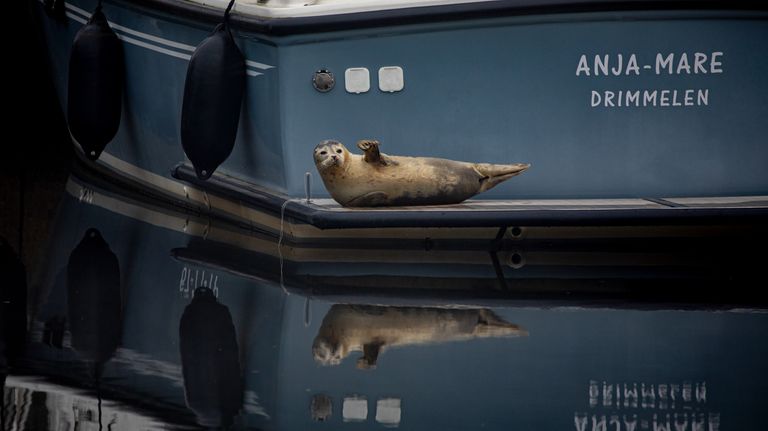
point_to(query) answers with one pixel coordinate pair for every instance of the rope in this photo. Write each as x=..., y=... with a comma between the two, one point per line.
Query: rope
x=226, y=12
x=280, y=240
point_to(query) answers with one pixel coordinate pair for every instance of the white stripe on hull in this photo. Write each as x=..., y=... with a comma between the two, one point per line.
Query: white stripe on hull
x=80, y=15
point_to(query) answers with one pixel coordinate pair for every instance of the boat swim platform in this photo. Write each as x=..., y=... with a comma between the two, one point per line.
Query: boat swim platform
x=294, y=220
x=325, y=213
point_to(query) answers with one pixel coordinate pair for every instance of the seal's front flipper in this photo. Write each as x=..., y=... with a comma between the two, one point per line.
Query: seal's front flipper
x=370, y=355
x=372, y=199
x=371, y=150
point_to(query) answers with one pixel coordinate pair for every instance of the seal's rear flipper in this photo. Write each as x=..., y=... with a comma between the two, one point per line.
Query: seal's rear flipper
x=496, y=174
x=489, y=324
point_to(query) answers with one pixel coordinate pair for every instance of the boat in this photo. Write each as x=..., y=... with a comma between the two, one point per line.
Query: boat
x=667, y=129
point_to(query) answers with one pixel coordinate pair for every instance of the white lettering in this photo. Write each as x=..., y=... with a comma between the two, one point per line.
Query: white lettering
x=663, y=102
x=663, y=388
x=595, y=102
x=697, y=423
x=681, y=421
x=631, y=97
x=716, y=66
x=660, y=426
x=701, y=392
x=184, y=279
x=674, y=99
x=583, y=67
x=608, y=389
x=630, y=424
x=703, y=97
x=674, y=390
x=616, y=70
x=714, y=422
x=688, y=97
x=601, y=64
x=630, y=396
x=580, y=422
x=649, y=97
x=698, y=62
x=662, y=62
x=649, y=395
x=632, y=65
x=598, y=423
x=615, y=422
x=683, y=64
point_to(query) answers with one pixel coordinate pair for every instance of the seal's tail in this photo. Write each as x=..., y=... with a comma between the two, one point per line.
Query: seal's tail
x=491, y=325
x=495, y=174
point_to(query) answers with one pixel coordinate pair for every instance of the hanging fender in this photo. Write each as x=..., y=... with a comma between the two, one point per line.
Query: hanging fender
x=213, y=95
x=96, y=81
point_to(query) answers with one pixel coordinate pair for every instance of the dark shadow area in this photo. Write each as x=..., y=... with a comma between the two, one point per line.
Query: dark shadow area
x=37, y=160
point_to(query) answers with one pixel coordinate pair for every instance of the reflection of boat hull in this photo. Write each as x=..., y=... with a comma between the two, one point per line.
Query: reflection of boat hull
x=498, y=379
x=490, y=98
x=551, y=262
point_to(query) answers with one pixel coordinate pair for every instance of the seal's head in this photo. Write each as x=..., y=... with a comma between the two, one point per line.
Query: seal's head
x=327, y=352
x=330, y=155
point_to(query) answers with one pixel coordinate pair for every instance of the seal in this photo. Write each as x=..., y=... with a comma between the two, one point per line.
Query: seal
x=372, y=329
x=376, y=179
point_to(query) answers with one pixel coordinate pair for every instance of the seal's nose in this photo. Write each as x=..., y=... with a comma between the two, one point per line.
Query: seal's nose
x=334, y=157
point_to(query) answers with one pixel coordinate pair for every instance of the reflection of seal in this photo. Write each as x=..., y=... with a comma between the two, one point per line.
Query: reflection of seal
x=371, y=329
x=375, y=179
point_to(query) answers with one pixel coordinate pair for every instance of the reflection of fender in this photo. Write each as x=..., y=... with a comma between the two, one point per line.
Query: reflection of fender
x=94, y=300
x=371, y=329
x=210, y=360
x=96, y=81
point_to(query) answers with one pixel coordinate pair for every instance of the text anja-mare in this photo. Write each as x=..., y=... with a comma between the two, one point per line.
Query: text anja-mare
x=669, y=64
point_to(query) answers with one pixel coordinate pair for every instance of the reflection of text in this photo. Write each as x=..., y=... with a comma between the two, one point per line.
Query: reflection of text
x=647, y=406
x=191, y=279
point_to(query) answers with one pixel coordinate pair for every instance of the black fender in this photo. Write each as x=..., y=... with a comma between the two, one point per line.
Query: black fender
x=213, y=96
x=96, y=82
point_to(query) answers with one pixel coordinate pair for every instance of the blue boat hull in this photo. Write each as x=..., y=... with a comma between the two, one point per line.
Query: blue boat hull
x=520, y=88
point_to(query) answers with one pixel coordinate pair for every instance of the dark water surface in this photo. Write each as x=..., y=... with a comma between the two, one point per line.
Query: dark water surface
x=144, y=318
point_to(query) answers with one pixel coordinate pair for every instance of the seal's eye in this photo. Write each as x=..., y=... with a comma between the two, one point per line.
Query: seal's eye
x=322, y=153
x=339, y=151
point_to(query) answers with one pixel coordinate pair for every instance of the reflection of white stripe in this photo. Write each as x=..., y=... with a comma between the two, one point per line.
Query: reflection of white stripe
x=83, y=17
